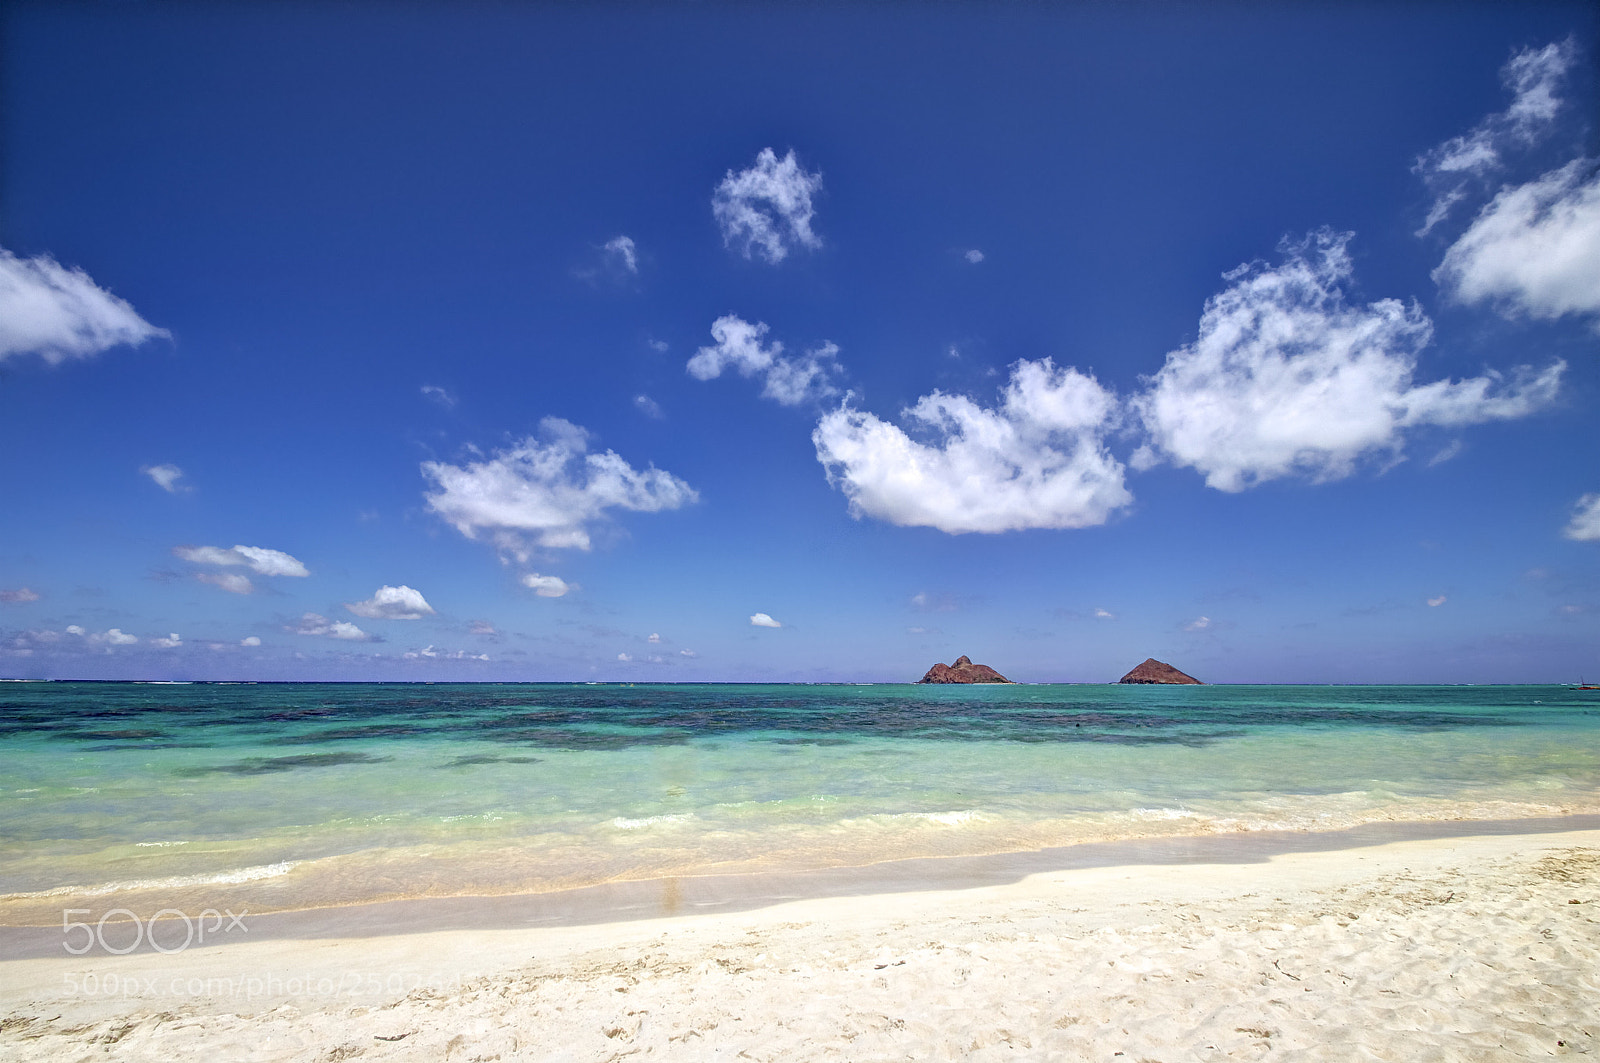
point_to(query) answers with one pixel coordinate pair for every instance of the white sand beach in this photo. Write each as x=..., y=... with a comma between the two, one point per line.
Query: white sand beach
x=1449, y=949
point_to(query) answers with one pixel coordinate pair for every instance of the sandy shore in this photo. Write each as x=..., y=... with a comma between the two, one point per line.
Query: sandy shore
x=1444, y=949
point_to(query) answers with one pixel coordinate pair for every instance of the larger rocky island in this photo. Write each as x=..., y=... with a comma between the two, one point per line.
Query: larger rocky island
x=1154, y=671
x=963, y=671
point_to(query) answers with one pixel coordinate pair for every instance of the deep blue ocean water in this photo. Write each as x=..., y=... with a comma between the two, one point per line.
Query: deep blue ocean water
x=307, y=794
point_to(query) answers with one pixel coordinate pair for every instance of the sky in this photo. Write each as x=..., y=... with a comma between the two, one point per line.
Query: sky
x=780, y=342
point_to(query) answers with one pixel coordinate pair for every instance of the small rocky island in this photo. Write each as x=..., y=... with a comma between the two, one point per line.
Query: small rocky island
x=964, y=671
x=1154, y=671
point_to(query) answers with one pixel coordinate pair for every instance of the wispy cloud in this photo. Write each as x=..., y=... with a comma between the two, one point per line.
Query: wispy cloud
x=1199, y=623
x=392, y=603
x=1438, y=600
x=548, y=494
x=974, y=256
x=766, y=210
x=1454, y=168
x=1287, y=378
x=789, y=381
x=623, y=252
x=18, y=596
x=1584, y=527
x=258, y=559
x=166, y=477
x=436, y=394
x=648, y=406
x=1038, y=460
x=60, y=313
x=232, y=582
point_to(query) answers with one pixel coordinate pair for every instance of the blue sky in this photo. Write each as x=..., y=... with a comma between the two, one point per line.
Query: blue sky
x=770, y=342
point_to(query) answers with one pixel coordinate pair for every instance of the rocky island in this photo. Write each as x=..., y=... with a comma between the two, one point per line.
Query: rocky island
x=1154, y=671
x=964, y=671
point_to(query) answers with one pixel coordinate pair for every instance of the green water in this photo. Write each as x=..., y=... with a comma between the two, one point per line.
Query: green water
x=295, y=795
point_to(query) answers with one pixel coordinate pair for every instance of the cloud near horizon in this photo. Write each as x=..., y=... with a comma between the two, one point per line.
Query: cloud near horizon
x=1037, y=460
x=766, y=210
x=787, y=381
x=318, y=625
x=61, y=314
x=763, y=620
x=392, y=603
x=1285, y=378
x=547, y=494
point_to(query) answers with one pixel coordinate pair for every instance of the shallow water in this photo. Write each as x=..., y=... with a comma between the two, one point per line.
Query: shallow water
x=301, y=795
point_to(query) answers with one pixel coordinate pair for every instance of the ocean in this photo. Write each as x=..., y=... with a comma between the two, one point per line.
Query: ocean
x=292, y=796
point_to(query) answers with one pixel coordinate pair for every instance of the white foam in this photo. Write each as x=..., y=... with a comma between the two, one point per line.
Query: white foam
x=1163, y=813
x=156, y=845
x=225, y=878
x=948, y=819
x=623, y=823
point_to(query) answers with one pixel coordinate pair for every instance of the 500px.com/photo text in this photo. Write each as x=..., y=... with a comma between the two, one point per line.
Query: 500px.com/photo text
x=120, y=931
x=346, y=984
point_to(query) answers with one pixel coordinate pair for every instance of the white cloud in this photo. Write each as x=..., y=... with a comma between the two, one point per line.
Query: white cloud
x=232, y=582
x=392, y=603
x=258, y=559
x=766, y=210
x=18, y=596
x=250, y=640
x=60, y=314
x=1434, y=603
x=429, y=653
x=654, y=638
x=115, y=637
x=548, y=492
x=648, y=406
x=546, y=586
x=1584, y=526
x=481, y=628
x=624, y=656
x=1199, y=623
x=974, y=256
x=1453, y=168
x=1453, y=450
x=1038, y=460
x=763, y=620
x=435, y=393
x=1534, y=248
x=1285, y=378
x=1101, y=614
x=171, y=642
x=315, y=624
x=622, y=251
x=789, y=381
x=687, y=653
x=166, y=477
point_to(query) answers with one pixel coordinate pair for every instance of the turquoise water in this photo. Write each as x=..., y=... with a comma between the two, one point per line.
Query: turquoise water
x=301, y=795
